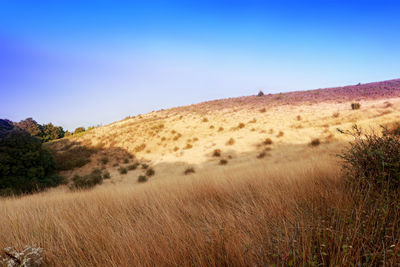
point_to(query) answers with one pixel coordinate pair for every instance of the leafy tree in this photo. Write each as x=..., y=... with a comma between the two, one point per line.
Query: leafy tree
x=51, y=132
x=25, y=166
x=31, y=126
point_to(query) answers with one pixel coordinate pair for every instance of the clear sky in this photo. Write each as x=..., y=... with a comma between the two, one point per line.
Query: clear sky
x=85, y=63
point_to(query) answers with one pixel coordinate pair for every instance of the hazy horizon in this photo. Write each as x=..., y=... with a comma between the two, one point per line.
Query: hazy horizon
x=77, y=64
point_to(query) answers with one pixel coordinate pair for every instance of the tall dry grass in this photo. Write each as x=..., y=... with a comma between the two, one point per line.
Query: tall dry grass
x=300, y=215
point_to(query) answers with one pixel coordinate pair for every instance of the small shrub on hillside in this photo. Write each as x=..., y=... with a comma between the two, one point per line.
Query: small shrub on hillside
x=144, y=166
x=261, y=155
x=261, y=93
x=104, y=160
x=150, y=172
x=205, y=120
x=211, y=126
x=176, y=149
x=195, y=139
x=122, y=170
x=223, y=162
x=220, y=129
x=79, y=130
x=230, y=142
x=177, y=137
x=298, y=117
x=189, y=171
x=280, y=134
x=335, y=115
x=263, y=110
x=126, y=160
x=132, y=166
x=106, y=175
x=241, y=125
x=142, y=179
x=87, y=181
x=355, y=106
x=188, y=146
x=373, y=160
x=217, y=153
x=267, y=141
x=315, y=142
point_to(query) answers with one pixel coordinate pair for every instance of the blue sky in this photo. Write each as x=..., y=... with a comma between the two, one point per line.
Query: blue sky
x=85, y=63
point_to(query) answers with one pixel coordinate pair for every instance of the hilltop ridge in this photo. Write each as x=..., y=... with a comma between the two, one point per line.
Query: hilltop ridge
x=238, y=128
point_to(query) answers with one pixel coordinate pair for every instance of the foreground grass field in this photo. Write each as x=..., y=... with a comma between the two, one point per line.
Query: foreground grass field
x=251, y=181
x=302, y=215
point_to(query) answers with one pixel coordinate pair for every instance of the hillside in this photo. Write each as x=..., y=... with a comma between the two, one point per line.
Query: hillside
x=247, y=181
x=172, y=140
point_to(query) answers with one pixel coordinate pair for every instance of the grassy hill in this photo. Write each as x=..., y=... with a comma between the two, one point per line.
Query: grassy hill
x=176, y=139
x=244, y=181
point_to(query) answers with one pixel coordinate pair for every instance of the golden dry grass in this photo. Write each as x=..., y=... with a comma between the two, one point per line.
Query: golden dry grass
x=288, y=207
x=222, y=219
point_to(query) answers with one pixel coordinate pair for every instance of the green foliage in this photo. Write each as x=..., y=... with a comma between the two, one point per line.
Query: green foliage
x=87, y=181
x=51, y=132
x=25, y=166
x=47, y=132
x=133, y=166
x=373, y=160
x=223, y=162
x=106, y=175
x=30, y=126
x=79, y=130
x=122, y=170
x=142, y=179
x=150, y=172
x=104, y=160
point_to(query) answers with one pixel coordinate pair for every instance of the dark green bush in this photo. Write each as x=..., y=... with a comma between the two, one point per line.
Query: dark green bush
x=30, y=126
x=104, y=160
x=355, y=106
x=223, y=162
x=373, y=160
x=217, y=153
x=106, y=175
x=133, y=166
x=189, y=171
x=142, y=179
x=25, y=166
x=87, y=181
x=315, y=142
x=51, y=132
x=122, y=170
x=150, y=172
x=145, y=166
